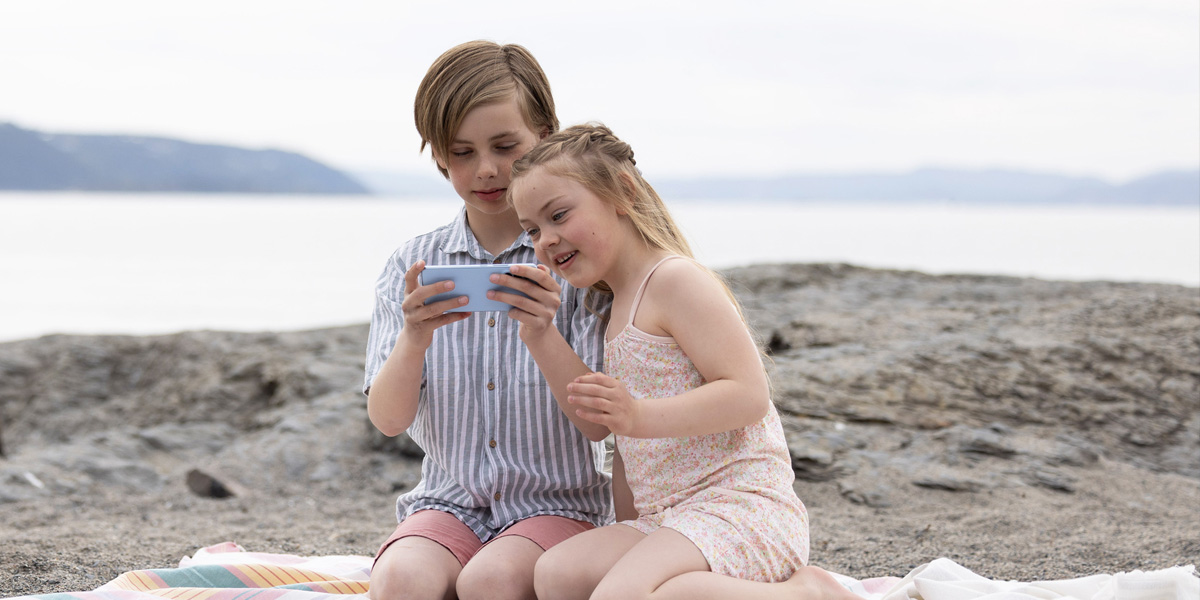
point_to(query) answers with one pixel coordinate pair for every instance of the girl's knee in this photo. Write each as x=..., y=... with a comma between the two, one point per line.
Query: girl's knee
x=498, y=579
x=560, y=576
x=611, y=589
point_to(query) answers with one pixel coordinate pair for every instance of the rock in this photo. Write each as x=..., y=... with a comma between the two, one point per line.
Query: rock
x=951, y=382
x=950, y=483
x=397, y=445
x=984, y=441
x=871, y=493
x=813, y=465
x=19, y=484
x=206, y=486
x=1059, y=482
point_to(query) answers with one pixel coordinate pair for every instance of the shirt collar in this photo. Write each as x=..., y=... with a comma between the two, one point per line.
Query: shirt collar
x=462, y=239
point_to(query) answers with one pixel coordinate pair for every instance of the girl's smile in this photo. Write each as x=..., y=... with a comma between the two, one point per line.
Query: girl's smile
x=574, y=231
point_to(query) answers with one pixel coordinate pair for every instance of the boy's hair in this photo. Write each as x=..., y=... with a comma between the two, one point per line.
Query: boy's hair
x=474, y=74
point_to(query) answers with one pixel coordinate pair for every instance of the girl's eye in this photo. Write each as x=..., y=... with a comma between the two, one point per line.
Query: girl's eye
x=558, y=215
x=506, y=147
x=460, y=153
x=532, y=232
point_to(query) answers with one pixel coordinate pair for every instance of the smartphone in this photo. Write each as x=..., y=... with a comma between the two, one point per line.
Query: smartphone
x=472, y=281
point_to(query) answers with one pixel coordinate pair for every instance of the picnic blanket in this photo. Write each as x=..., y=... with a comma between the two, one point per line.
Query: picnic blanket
x=227, y=572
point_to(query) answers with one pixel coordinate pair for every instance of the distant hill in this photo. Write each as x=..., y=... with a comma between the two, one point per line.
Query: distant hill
x=32, y=160
x=1179, y=188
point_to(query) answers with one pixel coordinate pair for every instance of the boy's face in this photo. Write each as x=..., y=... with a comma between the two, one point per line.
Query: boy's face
x=480, y=157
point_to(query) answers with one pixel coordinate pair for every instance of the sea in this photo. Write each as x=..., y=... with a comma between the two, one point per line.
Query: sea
x=89, y=263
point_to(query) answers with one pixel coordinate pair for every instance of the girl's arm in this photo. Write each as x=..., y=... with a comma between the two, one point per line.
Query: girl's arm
x=559, y=363
x=395, y=393
x=684, y=301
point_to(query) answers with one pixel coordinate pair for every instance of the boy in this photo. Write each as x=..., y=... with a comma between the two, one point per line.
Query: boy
x=506, y=475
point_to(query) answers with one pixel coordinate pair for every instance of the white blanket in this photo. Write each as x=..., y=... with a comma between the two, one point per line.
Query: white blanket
x=227, y=572
x=944, y=579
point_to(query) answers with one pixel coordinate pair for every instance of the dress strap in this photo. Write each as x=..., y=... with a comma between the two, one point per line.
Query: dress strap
x=637, y=298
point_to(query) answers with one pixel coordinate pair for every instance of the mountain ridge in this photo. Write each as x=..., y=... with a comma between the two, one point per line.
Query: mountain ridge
x=36, y=161
x=978, y=186
x=1177, y=187
x=31, y=160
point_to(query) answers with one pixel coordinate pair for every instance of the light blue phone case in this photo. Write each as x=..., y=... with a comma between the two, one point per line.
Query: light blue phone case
x=470, y=281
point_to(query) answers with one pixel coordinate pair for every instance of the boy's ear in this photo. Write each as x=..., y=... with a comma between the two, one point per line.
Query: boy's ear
x=437, y=157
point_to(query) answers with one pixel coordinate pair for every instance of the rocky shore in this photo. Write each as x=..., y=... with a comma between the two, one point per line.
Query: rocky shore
x=1026, y=429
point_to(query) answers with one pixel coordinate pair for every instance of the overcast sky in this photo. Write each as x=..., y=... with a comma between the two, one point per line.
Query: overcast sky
x=1109, y=88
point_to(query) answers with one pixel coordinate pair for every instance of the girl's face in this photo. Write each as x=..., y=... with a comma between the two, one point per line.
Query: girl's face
x=574, y=232
x=480, y=157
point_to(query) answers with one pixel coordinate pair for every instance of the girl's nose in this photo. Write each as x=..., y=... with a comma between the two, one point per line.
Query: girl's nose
x=547, y=240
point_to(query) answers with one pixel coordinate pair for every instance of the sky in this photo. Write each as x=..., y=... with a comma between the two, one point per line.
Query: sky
x=1104, y=88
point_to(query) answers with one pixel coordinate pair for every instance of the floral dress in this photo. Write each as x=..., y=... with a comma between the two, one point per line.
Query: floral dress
x=730, y=493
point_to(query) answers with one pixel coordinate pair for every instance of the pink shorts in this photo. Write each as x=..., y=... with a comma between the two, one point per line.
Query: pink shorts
x=445, y=529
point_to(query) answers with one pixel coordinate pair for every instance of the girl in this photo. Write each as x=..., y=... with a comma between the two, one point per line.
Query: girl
x=701, y=453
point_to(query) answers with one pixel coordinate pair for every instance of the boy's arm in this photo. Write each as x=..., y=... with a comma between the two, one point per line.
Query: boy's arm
x=394, y=395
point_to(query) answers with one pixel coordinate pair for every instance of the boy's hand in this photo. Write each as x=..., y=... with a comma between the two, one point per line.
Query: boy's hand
x=536, y=313
x=606, y=401
x=420, y=320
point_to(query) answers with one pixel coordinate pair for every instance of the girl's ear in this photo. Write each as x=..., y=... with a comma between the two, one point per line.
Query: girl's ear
x=543, y=133
x=437, y=157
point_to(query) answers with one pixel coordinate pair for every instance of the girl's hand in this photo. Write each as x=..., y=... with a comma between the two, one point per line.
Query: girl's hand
x=420, y=320
x=535, y=313
x=606, y=401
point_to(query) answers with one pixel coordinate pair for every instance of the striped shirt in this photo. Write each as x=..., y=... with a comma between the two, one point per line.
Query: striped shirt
x=497, y=447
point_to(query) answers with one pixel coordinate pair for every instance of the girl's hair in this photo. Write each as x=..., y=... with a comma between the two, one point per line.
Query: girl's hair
x=475, y=74
x=602, y=163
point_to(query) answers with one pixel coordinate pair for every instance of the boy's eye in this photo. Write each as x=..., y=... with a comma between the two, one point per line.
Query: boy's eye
x=533, y=231
x=460, y=153
x=558, y=215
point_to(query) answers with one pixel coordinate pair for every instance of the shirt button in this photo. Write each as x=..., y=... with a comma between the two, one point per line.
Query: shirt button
x=492, y=443
x=491, y=386
x=492, y=322
x=497, y=496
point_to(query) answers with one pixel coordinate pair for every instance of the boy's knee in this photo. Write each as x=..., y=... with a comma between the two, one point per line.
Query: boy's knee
x=403, y=583
x=402, y=573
